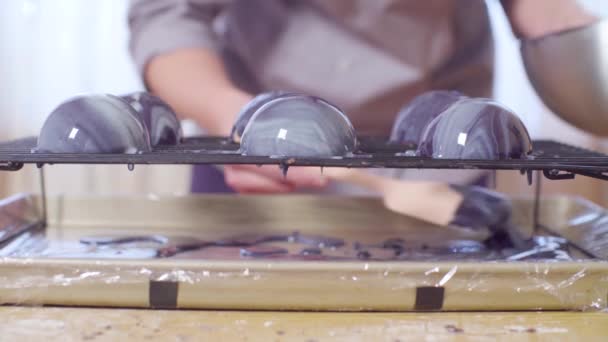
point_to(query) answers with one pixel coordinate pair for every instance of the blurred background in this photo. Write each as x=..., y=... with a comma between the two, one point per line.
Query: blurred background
x=51, y=50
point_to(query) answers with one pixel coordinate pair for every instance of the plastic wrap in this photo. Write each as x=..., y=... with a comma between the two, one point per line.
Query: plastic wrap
x=105, y=252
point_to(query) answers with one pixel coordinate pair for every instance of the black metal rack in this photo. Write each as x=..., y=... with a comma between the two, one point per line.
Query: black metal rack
x=555, y=160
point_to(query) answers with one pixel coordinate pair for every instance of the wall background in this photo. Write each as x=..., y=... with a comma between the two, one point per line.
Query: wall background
x=51, y=50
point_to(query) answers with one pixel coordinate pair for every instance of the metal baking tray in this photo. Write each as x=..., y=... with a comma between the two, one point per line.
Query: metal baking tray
x=556, y=160
x=53, y=266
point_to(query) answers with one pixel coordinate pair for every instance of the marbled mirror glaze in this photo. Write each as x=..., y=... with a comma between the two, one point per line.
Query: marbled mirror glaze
x=415, y=116
x=475, y=129
x=160, y=119
x=249, y=109
x=93, y=124
x=299, y=126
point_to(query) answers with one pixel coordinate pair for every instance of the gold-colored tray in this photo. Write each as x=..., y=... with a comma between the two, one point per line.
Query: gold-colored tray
x=284, y=284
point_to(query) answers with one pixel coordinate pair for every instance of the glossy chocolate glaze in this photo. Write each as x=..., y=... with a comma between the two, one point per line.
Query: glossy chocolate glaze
x=112, y=240
x=311, y=251
x=475, y=129
x=544, y=247
x=364, y=255
x=298, y=126
x=415, y=116
x=395, y=243
x=242, y=118
x=295, y=246
x=159, y=118
x=94, y=124
x=317, y=240
x=261, y=251
x=37, y=245
x=252, y=239
x=176, y=248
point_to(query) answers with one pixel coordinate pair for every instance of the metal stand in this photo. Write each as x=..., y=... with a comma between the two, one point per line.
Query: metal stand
x=537, y=226
x=43, y=196
x=537, y=194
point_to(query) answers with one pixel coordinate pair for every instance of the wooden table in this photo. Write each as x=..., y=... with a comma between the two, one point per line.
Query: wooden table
x=66, y=324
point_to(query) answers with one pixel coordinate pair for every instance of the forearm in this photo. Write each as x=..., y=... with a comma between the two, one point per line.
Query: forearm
x=195, y=83
x=535, y=18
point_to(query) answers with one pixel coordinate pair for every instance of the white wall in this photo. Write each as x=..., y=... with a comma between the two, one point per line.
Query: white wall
x=51, y=50
x=54, y=49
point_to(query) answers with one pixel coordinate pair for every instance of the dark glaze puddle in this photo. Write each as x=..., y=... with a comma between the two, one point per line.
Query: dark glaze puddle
x=311, y=251
x=37, y=245
x=295, y=246
x=251, y=239
x=262, y=251
x=317, y=240
x=110, y=240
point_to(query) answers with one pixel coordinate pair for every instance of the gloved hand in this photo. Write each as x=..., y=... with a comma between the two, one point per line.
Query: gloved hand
x=483, y=208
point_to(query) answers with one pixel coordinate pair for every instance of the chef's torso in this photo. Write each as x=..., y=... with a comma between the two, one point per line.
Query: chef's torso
x=368, y=57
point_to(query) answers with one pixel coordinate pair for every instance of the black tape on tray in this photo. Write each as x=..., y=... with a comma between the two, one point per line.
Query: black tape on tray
x=429, y=298
x=163, y=294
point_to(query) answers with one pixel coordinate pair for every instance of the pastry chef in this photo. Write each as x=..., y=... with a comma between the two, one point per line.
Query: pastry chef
x=208, y=58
